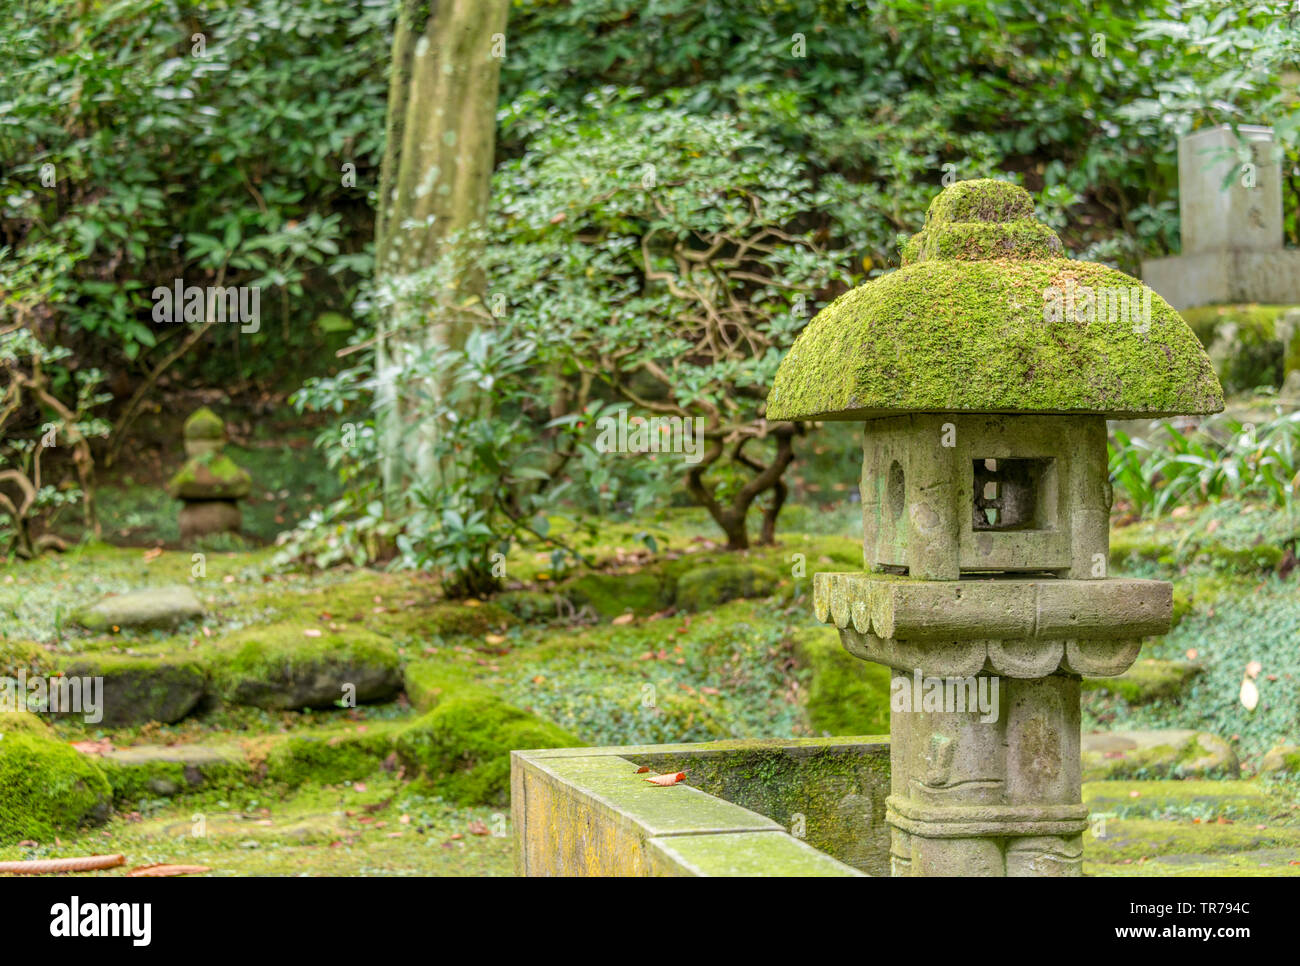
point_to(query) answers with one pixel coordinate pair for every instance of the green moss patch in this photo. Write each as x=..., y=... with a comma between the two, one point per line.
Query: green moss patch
x=846, y=695
x=707, y=587
x=330, y=757
x=23, y=723
x=46, y=788
x=980, y=200
x=462, y=747
x=610, y=595
x=1148, y=680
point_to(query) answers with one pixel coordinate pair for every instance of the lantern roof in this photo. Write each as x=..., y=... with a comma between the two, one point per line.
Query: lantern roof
x=987, y=315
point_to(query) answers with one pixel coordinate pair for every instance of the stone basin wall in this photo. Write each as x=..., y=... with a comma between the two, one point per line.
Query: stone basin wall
x=795, y=807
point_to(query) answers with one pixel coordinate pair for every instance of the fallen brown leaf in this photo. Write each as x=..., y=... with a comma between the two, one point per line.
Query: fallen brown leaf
x=670, y=779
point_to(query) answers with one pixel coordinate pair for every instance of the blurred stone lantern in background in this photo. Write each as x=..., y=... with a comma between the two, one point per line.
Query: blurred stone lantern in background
x=210, y=484
x=984, y=371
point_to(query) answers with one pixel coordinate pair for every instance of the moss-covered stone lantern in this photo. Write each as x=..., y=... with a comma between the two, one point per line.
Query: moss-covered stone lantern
x=984, y=370
x=210, y=484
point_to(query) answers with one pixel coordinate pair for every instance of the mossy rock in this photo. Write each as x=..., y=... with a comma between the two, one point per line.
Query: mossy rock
x=203, y=423
x=458, y=619
x=1281, y=759
x=48, y=788
x=330, y=757
x=144, y=772
x=845, y=695
x=26, y=656
x=23, y=723
x=706, y=587
x=141, y=689
x=973, y=322
x=1163, y=753
x=279, y=668
x=212, y=476
x=462, y=747
x=610, y=595
x=155, y=608
x=1148, y=680
x=428, y=682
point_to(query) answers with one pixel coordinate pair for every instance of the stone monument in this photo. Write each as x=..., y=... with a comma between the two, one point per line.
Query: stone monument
x=984, y=371
x=210, y=484
x=1231, y=217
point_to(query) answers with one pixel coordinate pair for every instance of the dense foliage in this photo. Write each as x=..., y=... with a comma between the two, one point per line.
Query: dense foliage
x=1221, y=458
x=679, y=185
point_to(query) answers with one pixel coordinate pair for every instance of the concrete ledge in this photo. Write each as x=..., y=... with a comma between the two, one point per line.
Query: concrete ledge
x=729, y=854
x=587, y=811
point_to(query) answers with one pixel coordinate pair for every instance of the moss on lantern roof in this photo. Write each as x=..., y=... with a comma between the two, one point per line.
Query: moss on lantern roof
x=986, y=316
x=204, y=424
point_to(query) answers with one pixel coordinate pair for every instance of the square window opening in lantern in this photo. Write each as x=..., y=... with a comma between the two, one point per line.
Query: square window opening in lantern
x=1013, y=494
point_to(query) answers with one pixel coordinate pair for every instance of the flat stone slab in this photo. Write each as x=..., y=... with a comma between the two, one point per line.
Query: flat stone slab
x=191, y=754
x=137, y=689
x=157, y=607
x=156, y=763
x=1172, y=752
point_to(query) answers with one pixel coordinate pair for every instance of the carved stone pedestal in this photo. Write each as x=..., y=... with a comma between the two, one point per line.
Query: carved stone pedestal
x=984, y=732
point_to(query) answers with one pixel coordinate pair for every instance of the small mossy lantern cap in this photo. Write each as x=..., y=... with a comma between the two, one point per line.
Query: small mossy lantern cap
x=988, y=316
x=204, y=424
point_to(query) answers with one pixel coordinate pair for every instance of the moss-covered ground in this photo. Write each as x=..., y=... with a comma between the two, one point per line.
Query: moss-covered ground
x=633, y=651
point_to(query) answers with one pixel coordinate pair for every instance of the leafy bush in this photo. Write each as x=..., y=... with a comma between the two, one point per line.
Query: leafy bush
x=149, y=140
x=669, y=258
x=1221, y=458
x=44, y=407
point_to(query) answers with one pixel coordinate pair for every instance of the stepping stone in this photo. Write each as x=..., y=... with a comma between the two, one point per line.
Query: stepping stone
x=1170, y=752
x=276, y=667
x=141, y=689
x=198, y=763
x=157, y=607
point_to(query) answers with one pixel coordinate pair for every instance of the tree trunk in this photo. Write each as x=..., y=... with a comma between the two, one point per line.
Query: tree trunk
x=434, y=183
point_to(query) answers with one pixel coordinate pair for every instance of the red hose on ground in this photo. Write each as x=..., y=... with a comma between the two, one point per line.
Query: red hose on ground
x=82, y=863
